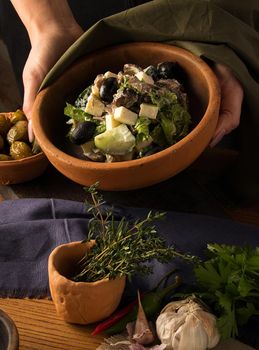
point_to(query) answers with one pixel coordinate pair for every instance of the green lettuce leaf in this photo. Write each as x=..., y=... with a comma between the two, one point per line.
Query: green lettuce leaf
x=163, y=99
x=175, y=123
x=175, y=119
x=169, y=129
x=158, y=136
x=142, y=128
x=81, y=100
x=101, y=127
x=77, y=113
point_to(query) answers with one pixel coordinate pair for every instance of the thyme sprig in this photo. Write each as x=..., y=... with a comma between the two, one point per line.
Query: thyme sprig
x=122, y=248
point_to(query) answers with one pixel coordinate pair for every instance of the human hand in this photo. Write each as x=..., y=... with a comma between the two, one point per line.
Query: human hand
x=52, y=28
x=231, y=103
x=46, y=49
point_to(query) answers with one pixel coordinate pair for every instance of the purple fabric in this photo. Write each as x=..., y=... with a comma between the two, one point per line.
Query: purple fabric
x=31, y=228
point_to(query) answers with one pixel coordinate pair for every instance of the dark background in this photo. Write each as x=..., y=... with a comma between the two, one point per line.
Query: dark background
x=87, y=13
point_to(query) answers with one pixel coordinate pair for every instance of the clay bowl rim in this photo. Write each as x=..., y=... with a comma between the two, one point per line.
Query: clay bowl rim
x=70, y=245
x=213, y=104
x=20, y=162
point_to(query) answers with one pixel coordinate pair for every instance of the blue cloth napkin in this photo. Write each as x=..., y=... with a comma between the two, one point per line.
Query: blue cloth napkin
x=31, y=228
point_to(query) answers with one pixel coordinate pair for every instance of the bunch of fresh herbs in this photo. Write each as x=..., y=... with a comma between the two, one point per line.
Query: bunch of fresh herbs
x=122, y=247
x=229, y=282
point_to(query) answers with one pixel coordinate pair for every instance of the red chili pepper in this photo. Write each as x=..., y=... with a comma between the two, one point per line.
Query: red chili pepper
x=151, y=302
x=114, y=318
x=118, y=315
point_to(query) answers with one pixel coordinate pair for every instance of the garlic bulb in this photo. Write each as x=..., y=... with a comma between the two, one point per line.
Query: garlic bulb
x=185, y=325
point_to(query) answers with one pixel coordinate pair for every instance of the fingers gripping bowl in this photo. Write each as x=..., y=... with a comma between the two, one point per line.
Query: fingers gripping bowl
x=50, y=124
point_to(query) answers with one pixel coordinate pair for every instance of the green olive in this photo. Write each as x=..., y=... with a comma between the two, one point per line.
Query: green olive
x=20, y=150
x=18, y=132
x=17, y=116
x=5, y=124
x=4, y=157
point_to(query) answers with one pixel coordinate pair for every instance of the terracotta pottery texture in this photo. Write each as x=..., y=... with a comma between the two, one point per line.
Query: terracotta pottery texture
x=50, y=123
x=22, y=170
x=80, y=302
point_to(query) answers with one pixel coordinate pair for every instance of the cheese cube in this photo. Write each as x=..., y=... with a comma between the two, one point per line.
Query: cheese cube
x=94, y=106
x=142, y=76
x=109, y=74
x=95, y=91
x=125, y=116
x=149, y=111
x=111, y=122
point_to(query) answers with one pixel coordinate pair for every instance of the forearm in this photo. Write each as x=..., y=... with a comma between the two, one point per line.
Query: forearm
x=37, y=15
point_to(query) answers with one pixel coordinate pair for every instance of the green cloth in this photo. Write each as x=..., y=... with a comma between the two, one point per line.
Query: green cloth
x=221, y=30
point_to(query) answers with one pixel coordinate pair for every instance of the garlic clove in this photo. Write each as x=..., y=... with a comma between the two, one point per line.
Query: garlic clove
x=209, y=324
x=192, y=335
x=176, y=322
x=145, y=337
x=142, y=334
x=163, y=329
x=167, y=323
x=116, y=342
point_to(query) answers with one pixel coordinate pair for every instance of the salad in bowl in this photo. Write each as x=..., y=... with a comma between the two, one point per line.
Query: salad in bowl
x=130, y=114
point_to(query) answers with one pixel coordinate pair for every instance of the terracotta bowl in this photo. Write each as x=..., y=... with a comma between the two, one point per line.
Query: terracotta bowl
x=50, y=124
x=22, y=170
x=9, y=337
x=80, y=302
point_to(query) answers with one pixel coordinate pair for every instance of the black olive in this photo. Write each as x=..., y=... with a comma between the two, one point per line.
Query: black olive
x=126, y=98
x=145, y=98
x=152, y=72
x=83, y=132
x=135, y=108
x=108, y=88
x=170, y=70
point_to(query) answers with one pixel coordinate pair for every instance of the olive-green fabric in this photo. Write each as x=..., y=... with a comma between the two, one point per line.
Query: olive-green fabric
x=220, y=30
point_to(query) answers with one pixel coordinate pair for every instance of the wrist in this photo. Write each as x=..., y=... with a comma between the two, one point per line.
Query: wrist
x=55, y=30
x=44, y=16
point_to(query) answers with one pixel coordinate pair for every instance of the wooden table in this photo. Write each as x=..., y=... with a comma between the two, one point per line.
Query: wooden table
x=39, y=327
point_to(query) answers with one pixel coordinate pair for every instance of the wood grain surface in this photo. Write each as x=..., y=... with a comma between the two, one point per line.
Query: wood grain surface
x=40, y=328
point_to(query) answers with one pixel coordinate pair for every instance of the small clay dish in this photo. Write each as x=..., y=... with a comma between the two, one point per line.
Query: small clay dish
x=20, y=161
x=80, y=302
x=50, y=123
x=22, y=170
x=9, y=337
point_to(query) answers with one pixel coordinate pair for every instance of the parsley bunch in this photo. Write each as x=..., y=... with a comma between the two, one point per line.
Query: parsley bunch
x=229, y=283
